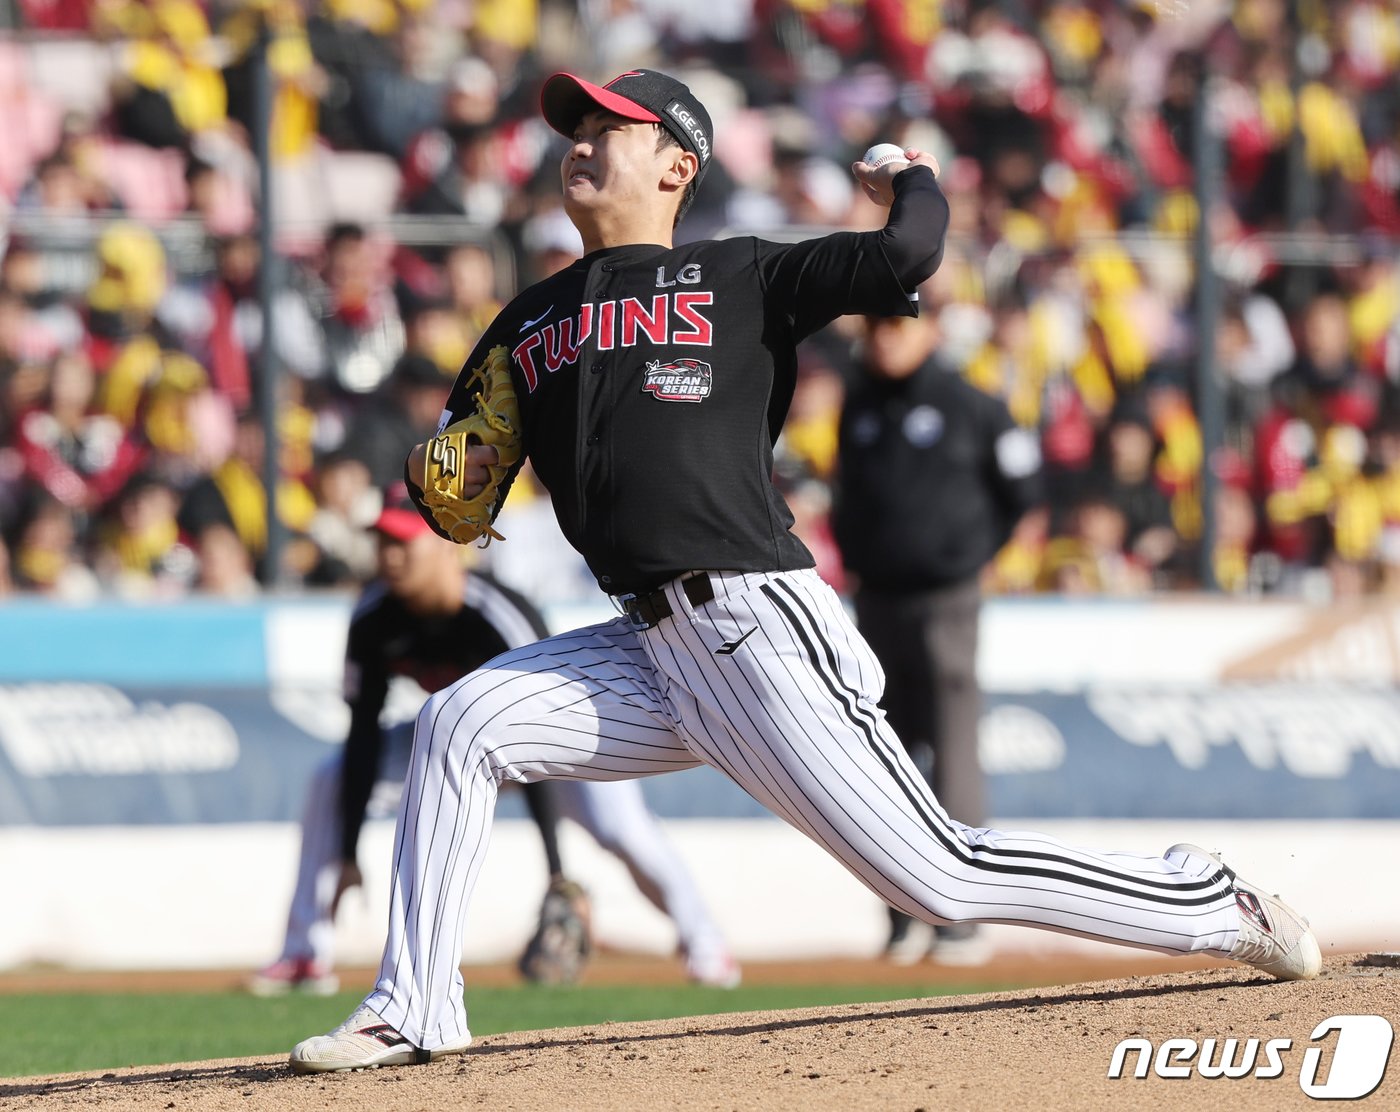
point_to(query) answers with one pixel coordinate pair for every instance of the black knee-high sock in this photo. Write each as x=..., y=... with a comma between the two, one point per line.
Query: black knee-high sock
x=539, y=797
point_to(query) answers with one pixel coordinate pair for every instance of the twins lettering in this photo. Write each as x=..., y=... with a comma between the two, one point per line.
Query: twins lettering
x=671, y=318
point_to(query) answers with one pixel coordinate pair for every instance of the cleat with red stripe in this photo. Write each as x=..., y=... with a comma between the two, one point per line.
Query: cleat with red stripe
x=1273, y=937
x=364, y=1042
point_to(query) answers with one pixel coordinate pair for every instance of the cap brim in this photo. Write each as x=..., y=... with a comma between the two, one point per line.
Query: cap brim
x=401, y=524
x=566, y=99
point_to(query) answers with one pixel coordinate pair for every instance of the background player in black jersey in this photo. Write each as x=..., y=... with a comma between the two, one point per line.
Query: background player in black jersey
x=425, y=619
x=732, y=651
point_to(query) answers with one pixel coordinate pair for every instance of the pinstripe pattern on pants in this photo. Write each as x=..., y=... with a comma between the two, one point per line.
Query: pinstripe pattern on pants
x=771, y=684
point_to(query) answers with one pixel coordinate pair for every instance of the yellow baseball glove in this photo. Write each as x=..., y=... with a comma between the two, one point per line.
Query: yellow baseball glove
x=496, y=421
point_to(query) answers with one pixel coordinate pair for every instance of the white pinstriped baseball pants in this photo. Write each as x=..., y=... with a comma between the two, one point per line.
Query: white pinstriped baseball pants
x=790, y=715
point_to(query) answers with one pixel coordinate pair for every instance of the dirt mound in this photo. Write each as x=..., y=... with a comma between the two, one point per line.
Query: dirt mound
x=1037, y=1049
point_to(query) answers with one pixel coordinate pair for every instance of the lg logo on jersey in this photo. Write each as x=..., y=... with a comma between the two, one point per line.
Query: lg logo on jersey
x=1359, y=1058
x=688, y=275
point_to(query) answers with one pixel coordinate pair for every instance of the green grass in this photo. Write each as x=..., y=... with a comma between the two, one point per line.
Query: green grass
x=61, y=1033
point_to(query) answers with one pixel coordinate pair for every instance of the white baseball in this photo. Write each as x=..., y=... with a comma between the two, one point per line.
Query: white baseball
x=881, y=153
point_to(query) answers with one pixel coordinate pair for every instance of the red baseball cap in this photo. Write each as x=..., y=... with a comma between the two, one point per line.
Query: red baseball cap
x=401, y=521
x=640, y=94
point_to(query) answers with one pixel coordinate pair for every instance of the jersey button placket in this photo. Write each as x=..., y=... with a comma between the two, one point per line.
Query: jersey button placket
x=589, y=385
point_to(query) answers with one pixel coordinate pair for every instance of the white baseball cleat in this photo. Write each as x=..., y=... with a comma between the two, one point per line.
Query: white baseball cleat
x=1273, y=937
x=364, y=1042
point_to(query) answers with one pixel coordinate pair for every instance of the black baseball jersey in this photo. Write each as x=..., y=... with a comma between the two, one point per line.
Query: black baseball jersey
x=653, y=382
x=387, y=640
x=933, y=476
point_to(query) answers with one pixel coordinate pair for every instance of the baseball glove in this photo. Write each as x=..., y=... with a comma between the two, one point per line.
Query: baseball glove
x=559, y=950
x=496, y=421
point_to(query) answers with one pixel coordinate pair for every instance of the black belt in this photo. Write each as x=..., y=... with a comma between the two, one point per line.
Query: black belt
x=644, y=611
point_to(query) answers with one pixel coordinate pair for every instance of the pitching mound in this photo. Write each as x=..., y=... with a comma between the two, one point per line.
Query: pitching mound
x=1036, y=1049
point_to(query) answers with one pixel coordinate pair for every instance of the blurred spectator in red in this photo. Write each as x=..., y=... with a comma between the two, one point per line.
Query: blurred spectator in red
x=359, y=318
x=78, y=455
x=469, y=98
x=218, y=320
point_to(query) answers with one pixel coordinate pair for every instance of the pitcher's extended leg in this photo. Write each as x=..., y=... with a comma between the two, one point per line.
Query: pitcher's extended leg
x=580, y=705
x=792, y=714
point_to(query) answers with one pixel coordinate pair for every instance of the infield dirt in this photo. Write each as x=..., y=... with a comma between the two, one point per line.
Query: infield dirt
x=1033, y=1049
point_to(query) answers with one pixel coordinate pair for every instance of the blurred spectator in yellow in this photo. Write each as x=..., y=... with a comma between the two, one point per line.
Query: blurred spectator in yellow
x=138, y=552
x=169, y=90
x=188, y=428
x=1018, y=568
x=46, y=557
x=472, y=291
x=121, y=305
x=1090, y=557
x=233, y=496
x=299, y=82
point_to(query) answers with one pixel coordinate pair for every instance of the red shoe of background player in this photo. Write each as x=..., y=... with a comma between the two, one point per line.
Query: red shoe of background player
x=294, y=975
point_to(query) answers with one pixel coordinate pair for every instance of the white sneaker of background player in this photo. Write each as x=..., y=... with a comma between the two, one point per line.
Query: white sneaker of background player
x=363, y=1042
x=1273, y=937
x=713, y=969
x=911, y=947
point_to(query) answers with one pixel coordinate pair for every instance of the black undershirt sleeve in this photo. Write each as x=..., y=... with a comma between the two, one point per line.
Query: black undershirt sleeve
x=809, y=284
x=914, y=232
x=367, y=688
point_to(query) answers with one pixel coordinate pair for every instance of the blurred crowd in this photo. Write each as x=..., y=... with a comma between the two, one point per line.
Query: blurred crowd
x=415, y=190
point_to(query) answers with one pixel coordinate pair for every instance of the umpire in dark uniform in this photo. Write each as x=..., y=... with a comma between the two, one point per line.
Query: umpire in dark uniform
x=933, y=476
